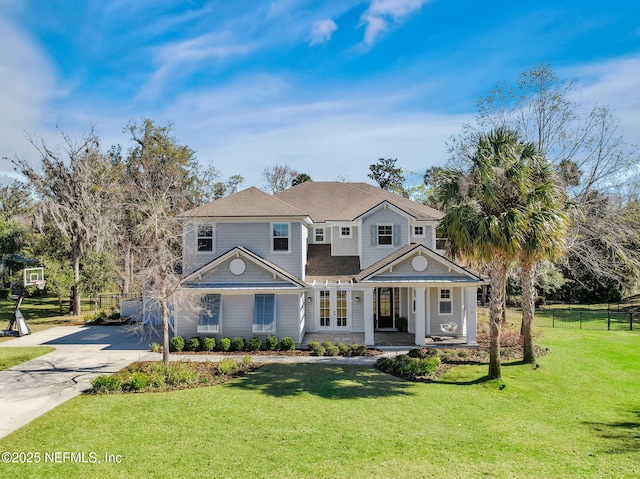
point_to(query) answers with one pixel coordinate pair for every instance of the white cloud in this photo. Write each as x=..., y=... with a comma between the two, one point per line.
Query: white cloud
x=381, y=14
x=322, y=30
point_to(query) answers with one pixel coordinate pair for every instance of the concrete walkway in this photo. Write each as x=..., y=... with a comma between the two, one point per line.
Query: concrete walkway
x=33, y=388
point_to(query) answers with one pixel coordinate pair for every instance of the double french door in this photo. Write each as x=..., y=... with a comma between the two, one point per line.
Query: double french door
x=333, y=310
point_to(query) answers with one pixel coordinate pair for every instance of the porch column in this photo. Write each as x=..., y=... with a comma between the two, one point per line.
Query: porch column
x=471, y=313
x=420, y=316
x=369, y=338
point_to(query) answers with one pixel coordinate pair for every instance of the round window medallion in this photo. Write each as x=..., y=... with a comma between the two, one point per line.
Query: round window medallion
x=237, y=266
x=419, y=263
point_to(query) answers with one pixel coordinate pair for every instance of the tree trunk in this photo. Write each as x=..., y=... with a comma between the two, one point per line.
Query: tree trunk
x=495, y=315
x=75, y=303
x=165, y=331
x=528, y=281
x=503, y=285
x=126, y=277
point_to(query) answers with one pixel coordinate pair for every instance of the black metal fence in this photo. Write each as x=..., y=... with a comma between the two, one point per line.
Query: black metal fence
x=579, y=318
x=113, y=300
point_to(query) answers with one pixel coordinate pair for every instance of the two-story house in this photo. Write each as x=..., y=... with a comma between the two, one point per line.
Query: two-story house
x=320, y=257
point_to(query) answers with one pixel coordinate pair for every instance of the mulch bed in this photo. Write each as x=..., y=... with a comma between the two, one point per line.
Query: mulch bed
x=295, y=352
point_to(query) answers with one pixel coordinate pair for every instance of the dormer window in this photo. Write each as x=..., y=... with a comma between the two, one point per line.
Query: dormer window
x=205, y=238
x=280, y=237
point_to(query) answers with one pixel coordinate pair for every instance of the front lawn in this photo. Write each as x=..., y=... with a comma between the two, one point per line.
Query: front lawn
x=12, y=356
x=578, y=415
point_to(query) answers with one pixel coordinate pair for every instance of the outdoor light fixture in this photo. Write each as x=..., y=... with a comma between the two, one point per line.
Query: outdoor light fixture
x=357, y=299
x=308, y=299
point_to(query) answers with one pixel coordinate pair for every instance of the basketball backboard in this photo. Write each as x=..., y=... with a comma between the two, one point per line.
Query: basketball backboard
x=32, y=276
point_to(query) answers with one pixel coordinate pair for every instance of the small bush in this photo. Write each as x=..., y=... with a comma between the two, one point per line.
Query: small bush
x=463, y=353
x=194, y=344
x=319, y=350
x=176, y=344
x=407, y=367
x=137, y=381
x=105, y=384
x=227, y=366
x=5, y=293
x=287, y=344
x=255, y=344
x=237, y=344
x=224, y=344
x=208, y=344
x=328, y=343
x=271, y=343
x=180, y=373
x=333, y=351
x=246, y=362
x=416, y=353
x=155, y=347
x=344, y=349
x=358, y=349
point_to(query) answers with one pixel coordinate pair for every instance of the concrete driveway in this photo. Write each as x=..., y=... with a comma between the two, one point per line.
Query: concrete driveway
x=30, y=389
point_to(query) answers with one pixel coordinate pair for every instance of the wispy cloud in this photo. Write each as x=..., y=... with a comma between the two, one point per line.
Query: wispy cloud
x=383, y=14
x=322, y=30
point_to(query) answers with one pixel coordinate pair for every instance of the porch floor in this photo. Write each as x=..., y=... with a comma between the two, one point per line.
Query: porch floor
x=385, y=339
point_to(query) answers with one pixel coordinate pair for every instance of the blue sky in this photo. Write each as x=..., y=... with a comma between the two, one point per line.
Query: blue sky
x=324, y=87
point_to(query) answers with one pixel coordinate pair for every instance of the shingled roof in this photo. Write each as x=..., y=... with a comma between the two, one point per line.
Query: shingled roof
x=251, y=202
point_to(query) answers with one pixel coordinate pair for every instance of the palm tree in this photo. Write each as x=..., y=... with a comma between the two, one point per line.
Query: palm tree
x=547, y=224
x=485, y=216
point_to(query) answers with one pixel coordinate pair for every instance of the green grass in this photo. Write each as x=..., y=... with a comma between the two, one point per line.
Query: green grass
x=578, y=415
x=12, y=356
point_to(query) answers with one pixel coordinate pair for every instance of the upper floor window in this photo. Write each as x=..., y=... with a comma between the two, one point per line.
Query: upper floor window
x=418, y=231
x=280, y=236
x=385, y=234
x=445, y=303
x=345, y=232
x=205, y=238
x=319, y=235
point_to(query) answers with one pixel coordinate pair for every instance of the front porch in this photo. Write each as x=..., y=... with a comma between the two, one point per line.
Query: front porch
x=386, y=339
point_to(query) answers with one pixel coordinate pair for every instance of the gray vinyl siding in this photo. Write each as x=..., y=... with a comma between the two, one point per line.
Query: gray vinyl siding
x=237, y=316
x=428, y=237
x=434, y=268
x=437, y=319
x=191, y=259
x=253, y=273
x=357, y=312
x=344, y=246
x=372, y=254
x=257, y=238
x=310, y=311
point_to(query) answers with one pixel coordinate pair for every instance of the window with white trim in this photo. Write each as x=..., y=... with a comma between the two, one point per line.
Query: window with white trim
x=418, y=231
x=319, y=235
x=205, y=238
x=210, y=313
x=264, y=313
x=345, y=232
x=445, y=305
x=280, y=237
x=385, y=235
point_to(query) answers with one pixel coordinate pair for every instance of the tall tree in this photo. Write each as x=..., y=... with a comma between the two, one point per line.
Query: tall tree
x=75, y=189
x=278, y=178
x=388, y=175
x=300, y=178
x=15, y=200
x=485, y=217
x=161, y=176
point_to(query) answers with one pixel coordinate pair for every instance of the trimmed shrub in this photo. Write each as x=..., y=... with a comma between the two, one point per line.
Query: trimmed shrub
x=333, y=351
x=227, y=366
x=255, y=344
x=224, y=344
x=287, y=344
x=155, y=347
x=271, y=343
x=194, y=344
x=313, y=345
x=344, y=349
x=327, y=343
x=237, y=344
x=208, y=344
x=176, y=344
x=416, y=353
x=407, y=367
x=319, y=350
x=105, y=385
x=137, y=382
x=358, y=349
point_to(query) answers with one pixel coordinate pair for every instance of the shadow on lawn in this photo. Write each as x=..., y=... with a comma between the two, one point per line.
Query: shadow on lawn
x=328, y=381
x=620, y=437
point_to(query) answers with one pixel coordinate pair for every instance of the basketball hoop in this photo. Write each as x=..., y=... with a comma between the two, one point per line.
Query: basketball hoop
x=39, y=283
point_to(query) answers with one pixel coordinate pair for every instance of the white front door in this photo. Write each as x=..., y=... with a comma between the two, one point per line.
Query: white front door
x=333, y=310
